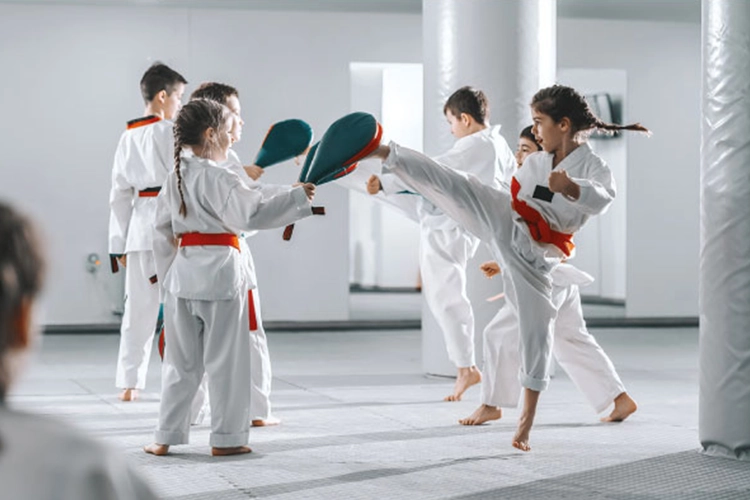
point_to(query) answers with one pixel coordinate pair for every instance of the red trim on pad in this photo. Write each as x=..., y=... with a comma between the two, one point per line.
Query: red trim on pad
x=212, y=239
x=369, y=148
x=346, y=171
x=538, y=227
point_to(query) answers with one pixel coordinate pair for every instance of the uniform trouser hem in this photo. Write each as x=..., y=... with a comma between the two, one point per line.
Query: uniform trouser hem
x=535, y=384
x=170, y=438
x=472, y=362
x=136, y=386
x=229, y=440
x=500, y=404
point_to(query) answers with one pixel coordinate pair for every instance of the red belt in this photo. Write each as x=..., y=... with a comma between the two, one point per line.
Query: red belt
x=213, y=239
x=538, y=227
x=149, y=192
x=251, y=311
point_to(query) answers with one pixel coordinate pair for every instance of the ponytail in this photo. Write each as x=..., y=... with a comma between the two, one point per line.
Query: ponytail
x=611, y=127
x=559, y=101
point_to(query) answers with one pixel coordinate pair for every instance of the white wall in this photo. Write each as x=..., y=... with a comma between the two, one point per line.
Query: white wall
x=602, y=243
x=70, y=81
x=384, y=243
x=662, y=61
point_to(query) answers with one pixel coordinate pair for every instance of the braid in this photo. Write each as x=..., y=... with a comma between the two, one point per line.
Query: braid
x=559, y=101
x=177, y=151
x=192, y=121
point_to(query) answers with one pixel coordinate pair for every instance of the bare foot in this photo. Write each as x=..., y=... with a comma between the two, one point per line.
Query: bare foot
x=624, y=407
x=483, y=414
x=521, y=439
x=128, y=395
x=381, y=152
x=234, y=450
x=265, y=422
x=157, y=449
x=465, y=379
x=530, y=402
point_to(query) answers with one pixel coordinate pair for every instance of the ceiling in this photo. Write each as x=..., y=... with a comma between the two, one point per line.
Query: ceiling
x=654, y=10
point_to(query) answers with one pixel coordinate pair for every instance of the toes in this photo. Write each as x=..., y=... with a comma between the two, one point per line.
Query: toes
x=521, y=446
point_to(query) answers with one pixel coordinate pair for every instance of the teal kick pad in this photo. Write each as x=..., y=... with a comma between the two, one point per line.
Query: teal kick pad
x=284, y=141
x=347, y=140
x=308, y=162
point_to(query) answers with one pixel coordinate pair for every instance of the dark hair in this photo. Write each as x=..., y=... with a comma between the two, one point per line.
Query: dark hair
x=214, y=91
x=471, y=101
x=528, y=134
x=157, y=78
x=559, y=101
x=21, y=271
x=193, y=119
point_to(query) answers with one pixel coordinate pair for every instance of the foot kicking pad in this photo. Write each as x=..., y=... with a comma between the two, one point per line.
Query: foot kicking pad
x=284, y=141
x=348, y=140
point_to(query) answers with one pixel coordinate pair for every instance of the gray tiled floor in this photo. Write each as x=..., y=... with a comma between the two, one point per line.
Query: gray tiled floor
x=361, y=421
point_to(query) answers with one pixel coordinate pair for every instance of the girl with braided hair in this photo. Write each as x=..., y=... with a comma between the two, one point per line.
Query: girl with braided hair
x=202, y=209
x=530, y=229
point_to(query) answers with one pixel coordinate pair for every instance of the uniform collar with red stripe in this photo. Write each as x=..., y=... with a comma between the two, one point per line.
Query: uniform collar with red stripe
x=140, y=122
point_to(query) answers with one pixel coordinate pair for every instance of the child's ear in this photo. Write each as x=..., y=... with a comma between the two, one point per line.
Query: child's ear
x=22, y=329
x=565, y=124
x=466, y=119
x=162, y=96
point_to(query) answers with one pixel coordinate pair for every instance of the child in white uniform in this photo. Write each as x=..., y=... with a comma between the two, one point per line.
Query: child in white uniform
x=39, y=457
x=530, y=229
x=574, y=347
x=445, y=248
x=201, y=211
x=142, y=161
x=260, y=365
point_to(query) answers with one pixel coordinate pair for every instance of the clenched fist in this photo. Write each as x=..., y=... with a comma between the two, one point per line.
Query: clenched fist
x=490, y=269
x=559, y=182
x=373, y=185
x=254, y=172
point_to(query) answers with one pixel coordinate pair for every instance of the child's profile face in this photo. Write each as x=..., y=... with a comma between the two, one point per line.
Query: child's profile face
x=173, y=102
x=525, y=148
x=549, y=134
x=459, y=124
x=233, y=103
x=224, y=136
